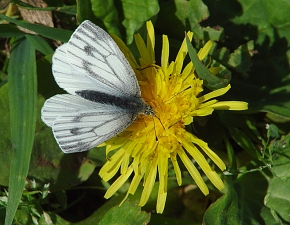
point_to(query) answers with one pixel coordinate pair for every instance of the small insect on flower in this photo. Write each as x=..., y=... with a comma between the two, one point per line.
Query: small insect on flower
x=104, y=95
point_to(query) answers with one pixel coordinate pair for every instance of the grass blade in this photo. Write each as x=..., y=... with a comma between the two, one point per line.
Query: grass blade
x=22, y=104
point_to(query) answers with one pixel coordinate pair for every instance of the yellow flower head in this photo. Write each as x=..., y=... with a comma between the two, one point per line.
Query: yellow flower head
x=151, y=142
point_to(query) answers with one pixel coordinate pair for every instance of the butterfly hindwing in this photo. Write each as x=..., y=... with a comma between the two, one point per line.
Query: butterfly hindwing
x=79, y=125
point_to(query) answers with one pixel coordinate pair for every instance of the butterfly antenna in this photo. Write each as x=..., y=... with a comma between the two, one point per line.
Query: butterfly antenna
x=148, y=66
x=174, y=96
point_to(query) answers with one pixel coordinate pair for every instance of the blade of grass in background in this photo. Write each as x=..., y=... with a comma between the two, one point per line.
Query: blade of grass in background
x=22, y=104
x=49, y=32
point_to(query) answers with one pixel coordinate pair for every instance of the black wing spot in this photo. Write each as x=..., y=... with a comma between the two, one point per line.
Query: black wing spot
x=88, y=50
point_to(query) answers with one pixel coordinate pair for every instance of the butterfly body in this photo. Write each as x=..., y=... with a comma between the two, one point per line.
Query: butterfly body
x=130, y=104
x=104, y=96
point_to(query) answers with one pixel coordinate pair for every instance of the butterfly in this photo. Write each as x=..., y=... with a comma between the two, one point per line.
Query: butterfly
x=104, y=96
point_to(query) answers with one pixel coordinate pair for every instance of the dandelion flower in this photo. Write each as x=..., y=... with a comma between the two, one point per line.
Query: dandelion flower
x=145, y=149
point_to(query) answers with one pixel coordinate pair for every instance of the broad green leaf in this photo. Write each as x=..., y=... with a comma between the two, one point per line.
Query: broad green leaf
x=184, y=16
x=133, y=13
x=210, y=81
x=53, y=33
x=101, y=12
x=22, y=104
x=85, y=12
x=136, y=13
x=242, y=204
x=106, y=11
x=127, y=213
x=113, y=213
x=278, y=199
x=227, y=208
x=278, y=196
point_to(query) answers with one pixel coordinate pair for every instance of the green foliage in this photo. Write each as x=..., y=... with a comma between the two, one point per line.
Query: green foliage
x=45, y=186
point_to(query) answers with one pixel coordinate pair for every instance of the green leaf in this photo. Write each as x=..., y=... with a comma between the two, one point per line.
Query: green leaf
x=278, y=196
x=210, y=81
x=22, y=104
x=106, y=11
x=85, y=12
x=127, y=213
x=244, y=141
x=186, y=15
x=53, y=33
x=100, y=10
x=40, y=44
x=266, y=23
x=278, y=199
x=5, y=140
x=136, y=13
x=226, y=206
x=273, y=131
x=240, y=60
x=113, y=213
x=241, y=204
x=9, y=30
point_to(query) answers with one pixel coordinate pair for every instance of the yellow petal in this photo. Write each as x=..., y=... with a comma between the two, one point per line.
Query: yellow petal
x=118, y=183
x=176, y=170
x=181, y=54
x=201, y=112
x=214, y=94
x=193, y=172
x=230, y=105
x=148, y=186
x=150, y=40
x=203, y=52
x=145, y=55
x=161, y=202
x=165, y=53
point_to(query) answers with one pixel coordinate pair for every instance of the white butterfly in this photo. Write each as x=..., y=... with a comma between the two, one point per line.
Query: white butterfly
x=104, y=96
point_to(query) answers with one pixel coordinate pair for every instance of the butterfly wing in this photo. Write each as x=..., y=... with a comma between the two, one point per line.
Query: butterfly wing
x=67, y=77
x=92, y=59
x=79, y=125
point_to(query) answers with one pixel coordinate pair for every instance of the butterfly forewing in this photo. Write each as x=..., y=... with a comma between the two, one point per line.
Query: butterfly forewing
x=70, y=79
x=93, y=52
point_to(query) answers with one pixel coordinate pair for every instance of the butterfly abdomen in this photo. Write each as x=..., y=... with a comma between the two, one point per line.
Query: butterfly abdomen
x=131, y=104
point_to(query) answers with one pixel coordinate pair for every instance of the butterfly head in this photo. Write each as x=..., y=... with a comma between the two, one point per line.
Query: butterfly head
x=148, y=110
